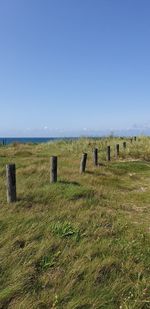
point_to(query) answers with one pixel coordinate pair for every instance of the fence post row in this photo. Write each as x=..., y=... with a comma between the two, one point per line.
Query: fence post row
x=83, y=163
x=117, y=151
x=95, y=156
x=53, y=169
x=108, y=153
x=124, y=145
x=11, y=182
x=11, y=169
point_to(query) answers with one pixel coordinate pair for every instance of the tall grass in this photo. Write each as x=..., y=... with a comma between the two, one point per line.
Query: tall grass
x=84, y=241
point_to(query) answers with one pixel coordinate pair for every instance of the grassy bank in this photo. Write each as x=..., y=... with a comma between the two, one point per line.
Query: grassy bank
x=82, y=242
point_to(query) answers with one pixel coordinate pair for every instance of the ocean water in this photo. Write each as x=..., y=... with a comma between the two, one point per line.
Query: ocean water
x=10, y=140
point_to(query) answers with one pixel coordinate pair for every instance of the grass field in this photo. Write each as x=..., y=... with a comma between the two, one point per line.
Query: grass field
x=82, y=242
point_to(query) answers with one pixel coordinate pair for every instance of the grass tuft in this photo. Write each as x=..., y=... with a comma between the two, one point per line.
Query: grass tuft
x=65, y=230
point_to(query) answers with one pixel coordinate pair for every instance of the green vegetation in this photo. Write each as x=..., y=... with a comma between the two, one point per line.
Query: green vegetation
x=82, y=242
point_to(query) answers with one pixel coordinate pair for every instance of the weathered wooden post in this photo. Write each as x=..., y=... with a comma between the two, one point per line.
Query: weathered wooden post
x=95, y=156
x=11, y=182
x=53, y=169
x=117, y=151
x=83, y=163
x=108, y=153
x=124, y=145
x=135, y=138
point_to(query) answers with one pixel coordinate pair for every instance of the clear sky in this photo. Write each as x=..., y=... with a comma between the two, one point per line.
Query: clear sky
x=73, y=65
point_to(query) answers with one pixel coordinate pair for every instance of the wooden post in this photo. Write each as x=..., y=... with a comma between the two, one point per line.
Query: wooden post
x=83, y=163
x=108, y=153
x=135, y=138
x=11, y=182
x=53, y=169
x=117, y=151
x=124, y=145
x=95, y=156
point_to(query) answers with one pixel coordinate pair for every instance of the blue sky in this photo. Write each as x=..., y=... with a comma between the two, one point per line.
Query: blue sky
x=73, y=65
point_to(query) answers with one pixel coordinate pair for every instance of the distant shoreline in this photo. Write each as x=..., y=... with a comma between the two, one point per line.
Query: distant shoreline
x=37, y=140
x=25, y=140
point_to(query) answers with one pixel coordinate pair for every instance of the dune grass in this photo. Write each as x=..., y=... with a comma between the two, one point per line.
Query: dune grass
x=82, y=242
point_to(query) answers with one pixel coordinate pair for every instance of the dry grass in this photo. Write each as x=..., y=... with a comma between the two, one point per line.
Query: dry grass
x=82, y=242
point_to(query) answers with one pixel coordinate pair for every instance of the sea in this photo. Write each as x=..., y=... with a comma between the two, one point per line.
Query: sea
x=33, y=140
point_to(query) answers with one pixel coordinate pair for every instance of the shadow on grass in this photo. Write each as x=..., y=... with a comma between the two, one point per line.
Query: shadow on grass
x=25, y=202
x=65, y=182
x=95, y=174
x=101, y=164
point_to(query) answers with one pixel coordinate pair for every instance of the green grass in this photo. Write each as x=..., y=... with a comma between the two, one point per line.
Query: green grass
x=82, y=242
